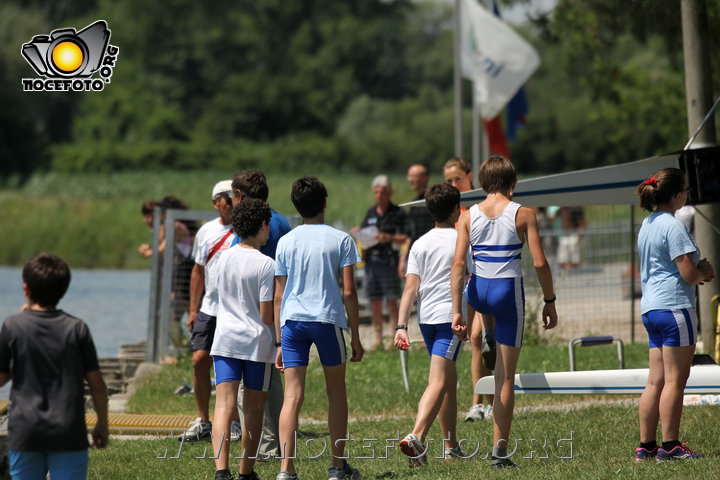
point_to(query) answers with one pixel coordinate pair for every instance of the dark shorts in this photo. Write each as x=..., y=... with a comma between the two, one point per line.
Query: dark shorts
x=203, y=332
x=381, y=277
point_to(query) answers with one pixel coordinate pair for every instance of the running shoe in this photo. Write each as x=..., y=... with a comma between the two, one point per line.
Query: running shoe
x=248, y=476
x=645, y=454
x=235, y=431
x=488, y=352
x=345, y=473
x=224, y=476
x=286, y=476
x=488, y=412
x=413, y=448
x=498, y=462
x=475, y=413
x=197, y=431
x=681, y=452
x=454, y=453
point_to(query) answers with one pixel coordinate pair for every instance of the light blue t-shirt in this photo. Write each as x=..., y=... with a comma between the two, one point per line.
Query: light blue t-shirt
x=311, y=257
x=663, y=238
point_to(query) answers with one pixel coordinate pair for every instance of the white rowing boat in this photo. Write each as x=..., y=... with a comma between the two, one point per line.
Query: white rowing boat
x=703, y=379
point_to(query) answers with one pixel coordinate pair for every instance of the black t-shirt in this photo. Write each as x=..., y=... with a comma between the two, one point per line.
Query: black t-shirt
x=47, y=355
x=392, y=222
x=418, y=221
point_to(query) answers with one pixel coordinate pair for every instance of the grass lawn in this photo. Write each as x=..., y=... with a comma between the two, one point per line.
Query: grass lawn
x=602, y=445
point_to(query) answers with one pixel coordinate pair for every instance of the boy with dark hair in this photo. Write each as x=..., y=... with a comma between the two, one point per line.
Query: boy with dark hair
x=253, y=184
x=243, y=348
x=48, y=354
x=428, y=275
x=309, y=310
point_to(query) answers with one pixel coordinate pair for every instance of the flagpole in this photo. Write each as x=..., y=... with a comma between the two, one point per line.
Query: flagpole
x=457, y=83
x=476, y=134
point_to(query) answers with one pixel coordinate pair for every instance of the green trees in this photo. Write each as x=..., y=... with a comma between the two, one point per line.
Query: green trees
x=348, y=85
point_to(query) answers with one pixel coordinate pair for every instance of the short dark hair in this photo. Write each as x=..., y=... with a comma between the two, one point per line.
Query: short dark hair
x=309, y=196
x=660, y=188
x=442, y=199
x=148, y=207
x=497, y=175
x=47, y=277
x=248, y=215
x=251, y=183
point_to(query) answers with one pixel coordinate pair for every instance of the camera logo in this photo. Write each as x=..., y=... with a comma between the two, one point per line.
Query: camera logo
x=68, y=59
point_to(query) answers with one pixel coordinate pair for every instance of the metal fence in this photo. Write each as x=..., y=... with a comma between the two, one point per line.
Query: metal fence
x=600, y=296
x=170, y=279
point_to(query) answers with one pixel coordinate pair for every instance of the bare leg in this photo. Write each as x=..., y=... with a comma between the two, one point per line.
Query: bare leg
x=377, y=321
x=337, y=411
x=448, y=410
x=649, y=411
x=294, y=395
x=477, y=367
x=254, y=404
x=202, y=362
x=677, y=362
x=225, y=401
x=441, y=371
x=505, y=366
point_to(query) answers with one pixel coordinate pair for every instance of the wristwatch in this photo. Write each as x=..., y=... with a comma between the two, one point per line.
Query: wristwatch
x=550, y=300
x=278, y=344
x=401, y=327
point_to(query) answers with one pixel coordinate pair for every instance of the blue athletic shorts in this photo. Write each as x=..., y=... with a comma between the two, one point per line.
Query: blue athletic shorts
x=255, y=375
x=671, y=328
x=503, y=298
x=440, y=340
x=34, y=465
x=297, y=337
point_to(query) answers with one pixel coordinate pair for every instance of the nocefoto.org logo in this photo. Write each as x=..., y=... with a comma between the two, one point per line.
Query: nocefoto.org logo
x=67, y=59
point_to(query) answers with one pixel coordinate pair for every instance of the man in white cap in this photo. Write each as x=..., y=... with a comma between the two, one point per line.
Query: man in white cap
x=210, y=241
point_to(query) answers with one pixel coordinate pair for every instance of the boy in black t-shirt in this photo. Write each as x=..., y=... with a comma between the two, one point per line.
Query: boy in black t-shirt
x=48, y=353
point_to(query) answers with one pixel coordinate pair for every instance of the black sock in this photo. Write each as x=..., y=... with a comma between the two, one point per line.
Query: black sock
x=667, y=446
x=648, y=445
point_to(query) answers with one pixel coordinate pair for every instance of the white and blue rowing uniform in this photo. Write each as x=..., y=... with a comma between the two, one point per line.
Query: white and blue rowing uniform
x=496, y=281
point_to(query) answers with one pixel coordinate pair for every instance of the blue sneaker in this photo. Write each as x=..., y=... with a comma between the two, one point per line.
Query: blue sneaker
x=681, y=452
x=645, y=454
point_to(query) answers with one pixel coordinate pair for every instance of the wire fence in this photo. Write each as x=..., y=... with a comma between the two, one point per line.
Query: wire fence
x=597, y=295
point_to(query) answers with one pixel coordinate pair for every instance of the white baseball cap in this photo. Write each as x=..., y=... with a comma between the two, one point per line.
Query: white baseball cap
x=224, y=186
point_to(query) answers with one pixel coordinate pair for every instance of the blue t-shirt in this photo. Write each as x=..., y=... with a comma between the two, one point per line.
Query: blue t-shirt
x=663, y=238
x=311, y=257
x=278, y=227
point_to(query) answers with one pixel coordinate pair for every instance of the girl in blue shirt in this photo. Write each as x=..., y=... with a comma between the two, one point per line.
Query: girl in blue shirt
x=670, y=267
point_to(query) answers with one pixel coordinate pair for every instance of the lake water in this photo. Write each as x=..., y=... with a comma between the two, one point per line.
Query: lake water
x=114, y=304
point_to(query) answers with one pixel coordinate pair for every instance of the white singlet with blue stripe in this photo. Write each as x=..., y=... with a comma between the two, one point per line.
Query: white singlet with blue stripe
x=494, y=243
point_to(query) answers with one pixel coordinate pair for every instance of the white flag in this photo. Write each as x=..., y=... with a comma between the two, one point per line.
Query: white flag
x=494, y=57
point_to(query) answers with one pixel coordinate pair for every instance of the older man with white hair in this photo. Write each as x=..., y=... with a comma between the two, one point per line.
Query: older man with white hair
x=381, y=260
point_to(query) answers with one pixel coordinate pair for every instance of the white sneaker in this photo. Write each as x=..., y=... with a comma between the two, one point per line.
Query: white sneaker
x=488, y=412
x=197, y=431
x=235, y=431
x=475, y=413
x=413, y=448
